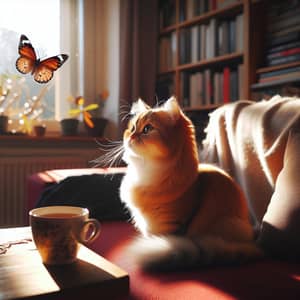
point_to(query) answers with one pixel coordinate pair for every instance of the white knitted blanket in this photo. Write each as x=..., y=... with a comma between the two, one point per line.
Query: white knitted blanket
x=248, y=139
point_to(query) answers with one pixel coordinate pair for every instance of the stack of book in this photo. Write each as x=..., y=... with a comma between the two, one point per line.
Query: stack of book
x=283, y=28
x=212, y=87
x=280, y=75
x=206, y=41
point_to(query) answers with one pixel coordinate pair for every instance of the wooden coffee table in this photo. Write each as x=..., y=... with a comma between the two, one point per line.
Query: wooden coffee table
x=24, y=276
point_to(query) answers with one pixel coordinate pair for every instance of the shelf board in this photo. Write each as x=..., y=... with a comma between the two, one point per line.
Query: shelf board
x=216, y=60
x=204, y=63
x=264, y=85
x=279, y=67
x=167, y=30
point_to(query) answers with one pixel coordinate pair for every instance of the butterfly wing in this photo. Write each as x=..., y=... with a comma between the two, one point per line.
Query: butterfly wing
x=27, y=60
x=44, y=70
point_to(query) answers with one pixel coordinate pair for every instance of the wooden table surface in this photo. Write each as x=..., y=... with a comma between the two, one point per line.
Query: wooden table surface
x=24, y=276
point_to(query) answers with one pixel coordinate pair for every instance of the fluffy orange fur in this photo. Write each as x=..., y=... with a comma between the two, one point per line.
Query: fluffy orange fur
x=171, y=195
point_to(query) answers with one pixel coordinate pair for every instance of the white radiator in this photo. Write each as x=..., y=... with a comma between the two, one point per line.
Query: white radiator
x=13, y=175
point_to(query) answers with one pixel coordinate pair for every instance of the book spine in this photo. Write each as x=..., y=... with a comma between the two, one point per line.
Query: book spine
x=285, y=31
x=283, y=23
x=233, y=85
x=290, y=37
x=182, y=11
x=211, y=39
x=208, y=86
x=279, y=77
x=194, y=42
x=182, y=47
x=284, y=53
x=203, y=37
x=240, y=32
x=283, y=60
x=226, y=85
x=223, y=38
x=241, y=70
x=232, y=36
x=283, y=47
x=279, y=72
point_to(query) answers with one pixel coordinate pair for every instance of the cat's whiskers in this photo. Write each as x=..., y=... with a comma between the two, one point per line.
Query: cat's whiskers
x=113, y=154
x=125, y=111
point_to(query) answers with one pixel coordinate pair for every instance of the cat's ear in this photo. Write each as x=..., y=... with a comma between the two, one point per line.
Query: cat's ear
x=139, y=106
x=172, y=106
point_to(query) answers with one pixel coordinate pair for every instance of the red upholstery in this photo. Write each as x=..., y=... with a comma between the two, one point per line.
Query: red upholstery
x=266, y=279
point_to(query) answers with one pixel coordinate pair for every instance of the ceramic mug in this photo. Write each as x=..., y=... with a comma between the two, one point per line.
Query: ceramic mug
x=58, y=231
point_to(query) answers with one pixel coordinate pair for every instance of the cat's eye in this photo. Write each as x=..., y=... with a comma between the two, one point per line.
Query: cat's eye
x=147, y=128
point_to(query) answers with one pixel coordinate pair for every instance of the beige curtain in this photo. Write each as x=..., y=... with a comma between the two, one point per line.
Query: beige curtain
x=138, y=49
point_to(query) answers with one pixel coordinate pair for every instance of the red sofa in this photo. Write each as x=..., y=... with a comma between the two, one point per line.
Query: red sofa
x=258, y=144
x=265, y=279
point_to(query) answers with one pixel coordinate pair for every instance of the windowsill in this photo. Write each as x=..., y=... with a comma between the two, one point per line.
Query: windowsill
x=53, y=133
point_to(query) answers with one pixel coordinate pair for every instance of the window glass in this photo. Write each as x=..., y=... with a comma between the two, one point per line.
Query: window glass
x=40, y=21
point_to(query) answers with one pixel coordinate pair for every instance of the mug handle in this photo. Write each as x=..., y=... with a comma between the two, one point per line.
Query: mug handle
x=90, y=230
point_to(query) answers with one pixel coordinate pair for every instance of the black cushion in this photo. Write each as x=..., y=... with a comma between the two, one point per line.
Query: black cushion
x=97, y=192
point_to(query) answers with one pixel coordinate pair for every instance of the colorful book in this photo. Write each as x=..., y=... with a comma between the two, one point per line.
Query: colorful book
x=284, y=39
x=279, y=72
x=280, y=77
x=284, y=53
x=283, y=60
x=283, y=47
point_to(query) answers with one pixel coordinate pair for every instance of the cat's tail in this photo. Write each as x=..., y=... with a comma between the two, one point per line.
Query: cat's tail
x=172, y=252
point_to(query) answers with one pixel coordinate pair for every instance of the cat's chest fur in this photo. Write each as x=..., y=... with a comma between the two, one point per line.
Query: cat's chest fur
x=155, y=200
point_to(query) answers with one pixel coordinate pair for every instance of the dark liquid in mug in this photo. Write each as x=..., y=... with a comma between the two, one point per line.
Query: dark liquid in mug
x=59, y=215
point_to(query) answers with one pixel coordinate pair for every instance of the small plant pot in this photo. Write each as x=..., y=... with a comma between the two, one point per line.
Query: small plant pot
x=69, y=127
x=3, y=124
x=39, y=130
x=99, y=127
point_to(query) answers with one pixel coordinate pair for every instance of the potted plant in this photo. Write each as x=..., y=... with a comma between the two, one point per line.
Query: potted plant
x=90, y=114
x=97, y=118
x=78, y=114
x=70, y=125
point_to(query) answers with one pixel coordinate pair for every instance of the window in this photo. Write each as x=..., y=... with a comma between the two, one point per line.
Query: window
x=52, y=27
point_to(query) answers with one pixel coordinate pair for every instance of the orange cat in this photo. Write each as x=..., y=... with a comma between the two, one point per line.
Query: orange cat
x=190, y=214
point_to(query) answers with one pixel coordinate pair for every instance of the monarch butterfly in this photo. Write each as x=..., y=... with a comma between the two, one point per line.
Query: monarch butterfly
x=42, y=70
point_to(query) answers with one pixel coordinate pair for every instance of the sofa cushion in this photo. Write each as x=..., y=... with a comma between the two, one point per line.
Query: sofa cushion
x=248, y=140
x=280, y=234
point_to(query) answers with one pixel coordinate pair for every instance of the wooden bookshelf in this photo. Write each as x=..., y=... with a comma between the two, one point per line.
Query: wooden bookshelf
x=193, y=24
x=203, y=28
x=249, y=20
